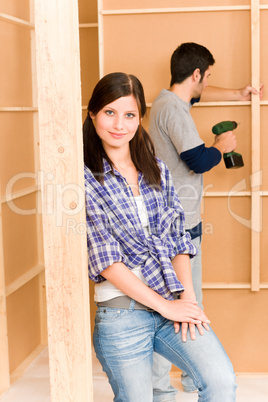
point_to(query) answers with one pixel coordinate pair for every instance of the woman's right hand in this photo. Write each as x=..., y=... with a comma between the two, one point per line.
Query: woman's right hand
x=189, y=315
x=183, y=311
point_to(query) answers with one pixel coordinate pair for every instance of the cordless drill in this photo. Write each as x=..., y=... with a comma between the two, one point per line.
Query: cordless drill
x=232, y=160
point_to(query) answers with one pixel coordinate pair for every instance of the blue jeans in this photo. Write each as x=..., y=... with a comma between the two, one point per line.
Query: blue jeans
x=124, y=342
x=163, y=390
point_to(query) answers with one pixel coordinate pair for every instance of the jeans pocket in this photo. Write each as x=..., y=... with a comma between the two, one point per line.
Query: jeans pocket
x=108, y=314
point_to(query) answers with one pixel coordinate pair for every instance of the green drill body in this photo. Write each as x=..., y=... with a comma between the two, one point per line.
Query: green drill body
x=232, y=160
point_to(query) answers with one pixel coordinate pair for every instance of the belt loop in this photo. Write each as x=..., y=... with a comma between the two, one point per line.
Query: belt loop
x=132, y=305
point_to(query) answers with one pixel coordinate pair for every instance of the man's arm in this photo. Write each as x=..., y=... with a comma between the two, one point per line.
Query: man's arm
x=211, y=93
x=201, y=159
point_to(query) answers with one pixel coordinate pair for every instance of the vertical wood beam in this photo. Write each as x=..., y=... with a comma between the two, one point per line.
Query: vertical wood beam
x=100, y=39
x=256, y=218
x=41, y=277
x=61, y=163
x=4, y=369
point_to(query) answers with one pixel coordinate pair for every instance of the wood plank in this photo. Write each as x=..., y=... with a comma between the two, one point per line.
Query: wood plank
x=208, y=104
x=23, y=279
x=4, y=372
x=18, y=109
x=89, y=25
x=16, y=21
x=174, y=10
x=10, y=195
x=100, y=39
x=61, y=157
x=255, y=148
x=40, y=248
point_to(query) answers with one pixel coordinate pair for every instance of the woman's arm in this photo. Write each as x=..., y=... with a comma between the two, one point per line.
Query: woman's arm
x=182, y=267
x=176, y=310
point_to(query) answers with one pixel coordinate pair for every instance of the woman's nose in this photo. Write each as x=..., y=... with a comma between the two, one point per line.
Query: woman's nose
x=118, y=123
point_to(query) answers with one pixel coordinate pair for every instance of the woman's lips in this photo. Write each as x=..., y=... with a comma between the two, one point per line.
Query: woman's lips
x=117, y=135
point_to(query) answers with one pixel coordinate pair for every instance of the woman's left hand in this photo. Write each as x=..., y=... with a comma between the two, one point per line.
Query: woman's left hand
x=184, y=329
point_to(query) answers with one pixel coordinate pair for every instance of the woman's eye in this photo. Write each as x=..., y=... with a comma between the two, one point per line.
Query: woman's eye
x=130, y=115
x=109, y=112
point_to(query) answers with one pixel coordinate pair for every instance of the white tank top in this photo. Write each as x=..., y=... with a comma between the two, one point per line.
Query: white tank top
x=105, y=290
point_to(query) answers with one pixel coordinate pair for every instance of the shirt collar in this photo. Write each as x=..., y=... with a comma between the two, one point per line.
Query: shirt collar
x=106, y=166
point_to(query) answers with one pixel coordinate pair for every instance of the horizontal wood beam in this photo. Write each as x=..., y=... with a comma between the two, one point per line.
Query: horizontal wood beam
x=89, y=25
x=22, y=280
x=18, y=194
x=16, y=21
x=18, y=109
x=174, y=10
x=228, y=285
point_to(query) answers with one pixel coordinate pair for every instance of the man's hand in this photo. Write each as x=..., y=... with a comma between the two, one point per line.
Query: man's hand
x=245, y=93
x=225, y=142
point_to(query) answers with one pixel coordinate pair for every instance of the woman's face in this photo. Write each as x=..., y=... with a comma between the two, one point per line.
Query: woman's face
x=117, y=123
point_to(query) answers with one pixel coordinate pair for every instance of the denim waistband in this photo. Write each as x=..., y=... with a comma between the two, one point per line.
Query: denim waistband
x=123, y=302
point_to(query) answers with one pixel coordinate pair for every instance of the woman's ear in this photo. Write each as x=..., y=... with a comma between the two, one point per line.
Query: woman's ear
x=92, y=116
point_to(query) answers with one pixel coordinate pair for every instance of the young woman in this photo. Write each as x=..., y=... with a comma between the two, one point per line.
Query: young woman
x=139, y=255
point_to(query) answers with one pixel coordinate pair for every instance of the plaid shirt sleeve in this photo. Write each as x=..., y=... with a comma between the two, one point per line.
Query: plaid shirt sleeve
x=103, y=249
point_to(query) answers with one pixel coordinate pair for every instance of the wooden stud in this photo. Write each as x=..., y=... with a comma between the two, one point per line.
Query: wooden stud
x=16, y=21
x=18, y=109
x=227, y=285
x=23, y=279
x=90, y=25
x=4, y=372
x=40, y=252
x=256, y=217
x=174, y=10
x=100, y=39
x=61, y=161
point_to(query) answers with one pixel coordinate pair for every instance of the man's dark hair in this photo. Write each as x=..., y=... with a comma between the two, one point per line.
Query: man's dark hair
x=186, y=59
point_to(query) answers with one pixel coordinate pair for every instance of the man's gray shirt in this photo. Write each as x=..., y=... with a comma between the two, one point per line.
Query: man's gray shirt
x=173, y=131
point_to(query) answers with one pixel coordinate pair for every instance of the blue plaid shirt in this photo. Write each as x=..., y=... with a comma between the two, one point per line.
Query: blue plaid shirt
x=115, y=233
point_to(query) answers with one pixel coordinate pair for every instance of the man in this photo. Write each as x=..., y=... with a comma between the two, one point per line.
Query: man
x=178, y=144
